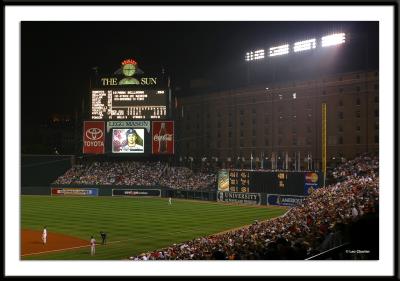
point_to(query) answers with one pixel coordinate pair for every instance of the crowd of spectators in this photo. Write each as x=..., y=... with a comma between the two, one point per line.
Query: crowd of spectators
x=132, y=173
x=185, y=178
x=324, y=220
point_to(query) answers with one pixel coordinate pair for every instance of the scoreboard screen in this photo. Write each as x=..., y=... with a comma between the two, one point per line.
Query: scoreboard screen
x=122, y=104
x=280, y=182
x=239, y=181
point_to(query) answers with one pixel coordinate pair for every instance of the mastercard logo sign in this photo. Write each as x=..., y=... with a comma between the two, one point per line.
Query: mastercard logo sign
x=312, y=177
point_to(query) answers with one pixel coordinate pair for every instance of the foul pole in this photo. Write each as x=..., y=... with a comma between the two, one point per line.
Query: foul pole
x=324, y=140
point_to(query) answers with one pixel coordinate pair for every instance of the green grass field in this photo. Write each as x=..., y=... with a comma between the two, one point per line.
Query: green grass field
x=134, y=225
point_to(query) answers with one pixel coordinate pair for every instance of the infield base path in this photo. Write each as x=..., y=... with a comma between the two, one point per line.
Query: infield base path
x=31, y=242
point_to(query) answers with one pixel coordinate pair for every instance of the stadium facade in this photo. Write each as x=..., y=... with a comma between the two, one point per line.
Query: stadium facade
x=279, y=124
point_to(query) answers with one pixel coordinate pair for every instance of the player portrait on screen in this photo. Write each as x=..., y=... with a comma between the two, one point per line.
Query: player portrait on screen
x=128, y=141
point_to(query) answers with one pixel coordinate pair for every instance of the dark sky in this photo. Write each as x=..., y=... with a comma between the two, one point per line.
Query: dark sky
x=57, y=57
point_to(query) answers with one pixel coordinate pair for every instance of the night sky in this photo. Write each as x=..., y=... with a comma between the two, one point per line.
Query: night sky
x=57, y=57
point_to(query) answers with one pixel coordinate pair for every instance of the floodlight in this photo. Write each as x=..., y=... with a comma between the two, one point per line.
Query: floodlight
x=334, y=39
x=305, y=45
x=279, y=50
x=255, y=55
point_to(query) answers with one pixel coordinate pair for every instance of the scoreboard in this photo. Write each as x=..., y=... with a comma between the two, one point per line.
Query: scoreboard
x=274, y=182
x=239, y=181
x=129, y=104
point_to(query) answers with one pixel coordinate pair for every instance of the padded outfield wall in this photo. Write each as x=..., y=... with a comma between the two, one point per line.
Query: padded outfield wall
x=112, y=190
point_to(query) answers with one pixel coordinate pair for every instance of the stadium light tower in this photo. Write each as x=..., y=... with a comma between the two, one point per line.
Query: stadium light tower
x=333, y=39
x=305, y=45
x=255, y=55
x=279, y=50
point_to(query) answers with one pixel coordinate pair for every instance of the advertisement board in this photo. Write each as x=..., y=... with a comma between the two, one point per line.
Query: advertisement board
x=130, y=140
x=223, y=180
x=163, y=137
x=136, y=192
x=70, y=191
x=93, y=137
x=284, y=200
x=239, y=197
x=310, y=182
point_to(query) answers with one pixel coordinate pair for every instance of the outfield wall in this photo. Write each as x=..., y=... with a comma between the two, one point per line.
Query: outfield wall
x=157, y=191
x=107, y=190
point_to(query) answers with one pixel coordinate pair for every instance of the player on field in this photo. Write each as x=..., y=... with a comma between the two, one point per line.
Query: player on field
x=44, y=235
x=170, y=201
x=103, y=237
x=92, y=246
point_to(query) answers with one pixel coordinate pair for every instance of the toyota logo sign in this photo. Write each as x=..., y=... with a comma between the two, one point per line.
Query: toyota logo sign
x=94, y=133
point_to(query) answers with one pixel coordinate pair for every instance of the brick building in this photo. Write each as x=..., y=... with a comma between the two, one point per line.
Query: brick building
x=282, y=122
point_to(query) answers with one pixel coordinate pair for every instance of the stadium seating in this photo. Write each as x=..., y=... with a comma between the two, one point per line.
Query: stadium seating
x=325, y=220
x=133, y=173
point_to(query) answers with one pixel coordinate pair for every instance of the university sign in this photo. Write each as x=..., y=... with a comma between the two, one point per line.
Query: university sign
x=239, y=197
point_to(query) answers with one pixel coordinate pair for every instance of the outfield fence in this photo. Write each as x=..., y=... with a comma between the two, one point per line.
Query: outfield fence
x=160, y=191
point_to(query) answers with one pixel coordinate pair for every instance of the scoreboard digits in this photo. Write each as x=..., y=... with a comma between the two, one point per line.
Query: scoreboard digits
x=129, y=104
x=239, y=181
x=282, y=177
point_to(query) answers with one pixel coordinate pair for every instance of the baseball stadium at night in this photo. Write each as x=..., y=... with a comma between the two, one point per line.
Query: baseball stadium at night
x=200, y=140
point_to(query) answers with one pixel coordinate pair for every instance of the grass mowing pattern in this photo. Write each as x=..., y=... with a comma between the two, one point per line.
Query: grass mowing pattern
x=133, y=225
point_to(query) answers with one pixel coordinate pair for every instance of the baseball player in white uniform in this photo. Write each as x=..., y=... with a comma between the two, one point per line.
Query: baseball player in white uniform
x=92, y=246
x=170, y=201
x=44, y=235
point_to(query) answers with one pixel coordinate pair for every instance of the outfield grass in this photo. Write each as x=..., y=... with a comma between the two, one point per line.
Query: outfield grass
x=133, y=225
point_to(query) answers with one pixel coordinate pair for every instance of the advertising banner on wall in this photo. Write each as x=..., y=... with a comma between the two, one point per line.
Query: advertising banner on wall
x=59, y=191
x=239, y=197
x=93, y=137
x=163, y=137
x=136, y=192
x=310, y=182
x=223, y=180
x=284, y=200
x=128, y=124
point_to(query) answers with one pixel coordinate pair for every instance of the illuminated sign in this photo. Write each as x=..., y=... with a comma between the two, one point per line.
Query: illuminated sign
x=113, y=81
x=311, y=177
x=163, y=137
x=310, y=182
x=223, y=180
x=93, y=137
x=129, y=104
x=128, y=124
x=239, y=181
x=128, y=140
x=128, y=68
